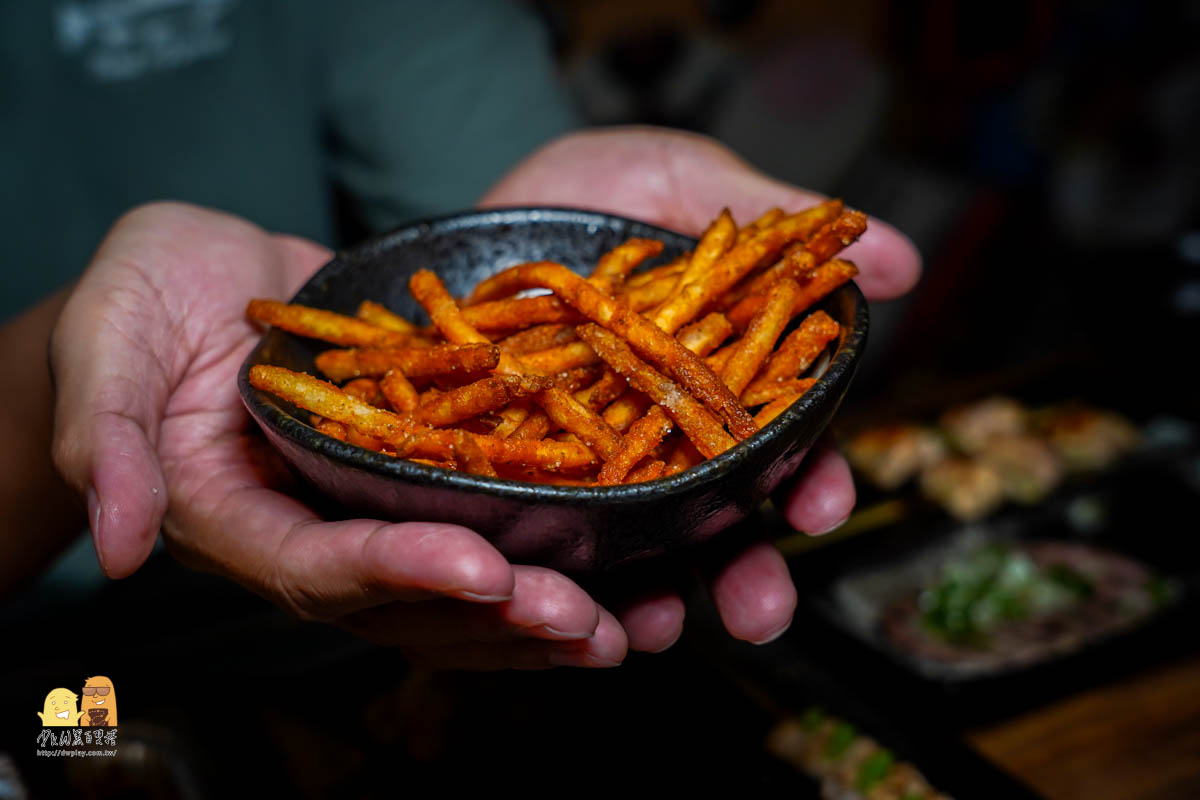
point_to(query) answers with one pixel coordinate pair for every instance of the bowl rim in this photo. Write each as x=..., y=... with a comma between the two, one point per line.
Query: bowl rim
x=265, y=408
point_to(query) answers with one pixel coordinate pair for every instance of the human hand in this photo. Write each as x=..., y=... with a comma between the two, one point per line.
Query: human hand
x=682, y=181
x=149, y=427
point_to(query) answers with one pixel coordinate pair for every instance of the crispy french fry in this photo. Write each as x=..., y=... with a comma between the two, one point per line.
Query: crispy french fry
x=682, y=456
x=576, y=378
x=644, y=336
x=643, y=437
x=540, y=337
x=317, y=323
x=773, y=409
x=470, y=457
x=553, y=360
x=773, y=391
x=594, y=397
x=715, y=242
x=769, y=218
x=574, y=417
x=650, y=471
x=799, y=262
x=477, y=398
x=797, y=352
x=320, y=397
x=615, y=265
x=367, y=390
x=362, y=440
x=399, y=391
x=706, y=335
x=818, y=283
x=515, y=313
x=340, y=365
x=626, y=409
x=671, y=268
x=330, y=428
x=691, y=416
x=751, y=351
x=380, y=315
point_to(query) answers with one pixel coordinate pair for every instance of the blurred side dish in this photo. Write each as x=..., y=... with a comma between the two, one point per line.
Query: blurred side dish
x=981, y=454
x=849, y=765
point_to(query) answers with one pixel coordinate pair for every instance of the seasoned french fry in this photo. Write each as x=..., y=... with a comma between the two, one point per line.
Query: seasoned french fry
x=799, y=262
x=553, y=360
x=683, y=455
x=818, y=283
x=671, y=268
x=773, y=409
x=616, y=264
x=797, y=352
x=691, y=416
x=643, y=437
x=751, y=351
x=769, y=218
x=706, y=335
x=320, y=397
x=540, y=337
x=644, y=336
x=515, y=313
x=470, y=456
x=399, y=391
x=367, y=390
x=477, y=398
x=652, y=470
x=715, y=242
x=380, y=315
x=326, y=325
x=340, y=365
x=773, y=391
x=594, y=397
x=333, y=429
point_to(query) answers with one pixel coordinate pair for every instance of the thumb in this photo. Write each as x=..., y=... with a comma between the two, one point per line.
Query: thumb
x=112, y=381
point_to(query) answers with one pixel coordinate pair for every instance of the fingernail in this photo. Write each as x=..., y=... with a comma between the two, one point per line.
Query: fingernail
x=770, y=637
x=474, y=597
x=94, y=516
x=831, y=528
x=580, y=658
x=555, y=633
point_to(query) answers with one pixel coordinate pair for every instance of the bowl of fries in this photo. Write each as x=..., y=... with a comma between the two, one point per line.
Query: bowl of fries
x=581, y=388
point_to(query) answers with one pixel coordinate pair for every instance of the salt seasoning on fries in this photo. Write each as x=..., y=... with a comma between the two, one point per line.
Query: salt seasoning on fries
x=621, y=377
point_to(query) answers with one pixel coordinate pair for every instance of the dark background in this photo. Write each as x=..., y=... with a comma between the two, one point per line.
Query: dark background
x=1044, y=157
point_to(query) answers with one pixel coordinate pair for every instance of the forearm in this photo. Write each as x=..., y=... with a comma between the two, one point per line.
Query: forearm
x=39, y=515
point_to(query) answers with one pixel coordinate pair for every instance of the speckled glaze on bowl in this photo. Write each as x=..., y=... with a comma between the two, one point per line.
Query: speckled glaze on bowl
x=573, y=529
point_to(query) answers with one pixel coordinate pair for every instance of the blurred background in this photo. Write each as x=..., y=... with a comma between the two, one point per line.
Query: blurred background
x=1045, y=159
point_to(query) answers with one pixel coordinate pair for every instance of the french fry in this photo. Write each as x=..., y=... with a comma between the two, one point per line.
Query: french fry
x=320, y=397
x=682, y=456
x=367, y=390
x=380, y=315
x=613, y=267
x=594, y=397
x=643, y=335
x=330, y=428
x=751, y=351
x=797, y=352
x=714, y=243
x=671, y=268
x=470, y=457
x=515, y=313
x=540, y=337
x=400, y=393
x=773, y=391
x=317, y=323
x=773, y=409
x=652, y=470
x=818, y=283
x=643, y=437
x=706, y=335
x=553, y=360
x=799, y=262
x=477, y=398
x=691, y=416
x=414, y=362
x=769, y=218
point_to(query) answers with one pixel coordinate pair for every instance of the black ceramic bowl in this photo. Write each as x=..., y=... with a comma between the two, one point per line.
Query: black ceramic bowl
x=570, y=528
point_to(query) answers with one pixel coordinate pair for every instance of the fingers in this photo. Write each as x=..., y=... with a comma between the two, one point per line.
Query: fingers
x=654, y=622
x=823, y=495
x=544, y=605
x=681, y=181
x=606, y=647
x=754, y=594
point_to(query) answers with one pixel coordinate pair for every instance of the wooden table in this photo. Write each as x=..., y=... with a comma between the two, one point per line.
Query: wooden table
x=1137, y=739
